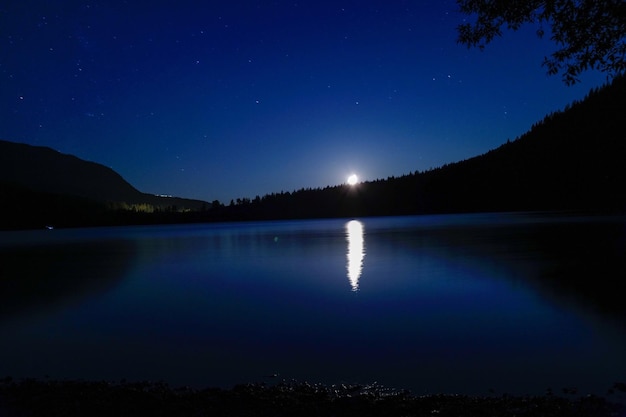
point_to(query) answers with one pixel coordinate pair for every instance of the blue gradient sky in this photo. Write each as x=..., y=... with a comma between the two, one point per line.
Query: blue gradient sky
x=219, y=100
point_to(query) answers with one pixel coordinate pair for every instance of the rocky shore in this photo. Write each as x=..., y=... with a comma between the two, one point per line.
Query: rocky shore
x=25, y=398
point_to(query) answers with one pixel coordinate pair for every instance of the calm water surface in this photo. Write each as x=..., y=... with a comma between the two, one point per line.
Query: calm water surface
x=434, y=304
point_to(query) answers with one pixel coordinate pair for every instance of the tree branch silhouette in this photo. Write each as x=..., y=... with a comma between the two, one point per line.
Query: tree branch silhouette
x=590, y=34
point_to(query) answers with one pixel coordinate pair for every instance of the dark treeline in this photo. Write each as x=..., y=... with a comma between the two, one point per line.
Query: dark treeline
x=24, y=208
x=571, y=160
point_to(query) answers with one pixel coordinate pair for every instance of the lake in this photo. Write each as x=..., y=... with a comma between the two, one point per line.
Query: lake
x=515, y=303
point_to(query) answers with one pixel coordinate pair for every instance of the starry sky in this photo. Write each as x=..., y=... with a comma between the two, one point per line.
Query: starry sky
x=227, y=99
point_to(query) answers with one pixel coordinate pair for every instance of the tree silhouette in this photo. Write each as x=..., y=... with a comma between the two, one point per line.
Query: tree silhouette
x=590, y=34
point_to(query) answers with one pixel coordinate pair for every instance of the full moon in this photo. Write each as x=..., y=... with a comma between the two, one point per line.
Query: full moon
x=353, y=179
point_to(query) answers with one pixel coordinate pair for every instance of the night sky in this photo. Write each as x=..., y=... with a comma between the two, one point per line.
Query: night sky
x=226, y=99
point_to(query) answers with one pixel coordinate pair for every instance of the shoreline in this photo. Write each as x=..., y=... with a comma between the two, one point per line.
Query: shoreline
x=32, y=397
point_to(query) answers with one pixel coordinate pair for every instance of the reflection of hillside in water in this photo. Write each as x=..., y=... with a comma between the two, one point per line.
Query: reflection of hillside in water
x=580, y=261
x=585, y=263
x=36, y=278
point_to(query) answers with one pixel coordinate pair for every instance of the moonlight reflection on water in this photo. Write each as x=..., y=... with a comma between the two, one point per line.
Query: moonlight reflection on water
x=356, y=252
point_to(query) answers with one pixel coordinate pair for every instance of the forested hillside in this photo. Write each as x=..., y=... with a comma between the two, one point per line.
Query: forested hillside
x=40, y=186
x=574, y=159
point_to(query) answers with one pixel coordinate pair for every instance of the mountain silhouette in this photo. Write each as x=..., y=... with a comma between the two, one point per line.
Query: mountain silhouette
x=39, y=184
x=44, y=169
